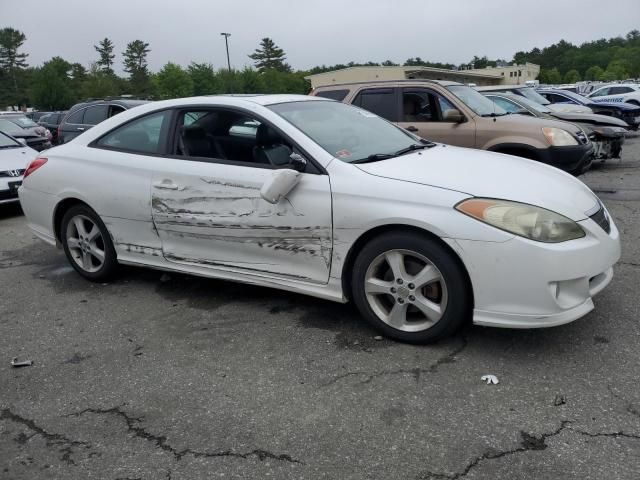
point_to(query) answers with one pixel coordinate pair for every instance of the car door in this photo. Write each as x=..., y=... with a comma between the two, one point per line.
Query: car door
x=422, y=113
x=207, y=207
x=72, y=126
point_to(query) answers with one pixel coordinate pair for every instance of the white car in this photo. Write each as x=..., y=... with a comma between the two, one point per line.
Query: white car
x=624, y=92
x=14, y=158
x=328, y=200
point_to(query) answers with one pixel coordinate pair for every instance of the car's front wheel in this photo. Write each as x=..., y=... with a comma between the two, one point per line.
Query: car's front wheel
x=87, y=244
x=410, y=287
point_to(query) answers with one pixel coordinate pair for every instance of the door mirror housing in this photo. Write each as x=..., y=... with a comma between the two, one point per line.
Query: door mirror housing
x=298, y=162
x=279, y=185
x=453, y=115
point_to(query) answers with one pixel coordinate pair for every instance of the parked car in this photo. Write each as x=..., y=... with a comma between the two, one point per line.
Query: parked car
x=624, y=111
x=456, y=114
x=534, y=96
x=620, y=93
x=328, y=200
x=606, y=133
x=83, y=116
x=35, y=115
x=14, y=158
x=32, y=136
x=51, y=121
x=23, y=121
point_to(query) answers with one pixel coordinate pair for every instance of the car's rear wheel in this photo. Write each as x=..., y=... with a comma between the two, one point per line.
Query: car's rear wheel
x=87, y=244
x=410, y=287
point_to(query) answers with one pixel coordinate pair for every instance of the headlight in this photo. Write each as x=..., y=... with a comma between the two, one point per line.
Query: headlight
x=558, y=137
x=527, y=221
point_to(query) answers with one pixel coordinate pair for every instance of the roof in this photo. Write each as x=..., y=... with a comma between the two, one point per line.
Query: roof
x=409, y=70
x=444, y=83
x=498, y=88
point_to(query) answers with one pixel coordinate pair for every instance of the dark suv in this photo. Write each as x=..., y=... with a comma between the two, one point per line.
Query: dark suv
x=83, y=116
x=51, y=121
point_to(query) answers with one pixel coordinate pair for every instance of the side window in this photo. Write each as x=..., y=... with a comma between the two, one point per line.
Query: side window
x=381, y=101
x=95, y=115
x=507, y=105
x=230, y=135
x=76, y=117
x=338, y=95
x=142, y=135
x=115, y=109
x=601, y=93
x=424, y=106
x=619, y=90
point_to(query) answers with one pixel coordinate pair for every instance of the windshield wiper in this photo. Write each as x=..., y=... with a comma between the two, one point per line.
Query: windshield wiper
x=374, y=157
x=414, y=147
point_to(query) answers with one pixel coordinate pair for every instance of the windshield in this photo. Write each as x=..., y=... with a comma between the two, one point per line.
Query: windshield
x=576, y=96
x=533, y=105
x=8, y=142
x=22, y=121
x=476, y=101
x=9, y=127
x=346, y=132
x=532, y=95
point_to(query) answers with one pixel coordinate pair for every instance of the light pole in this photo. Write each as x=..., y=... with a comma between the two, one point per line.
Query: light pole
x=226, y=41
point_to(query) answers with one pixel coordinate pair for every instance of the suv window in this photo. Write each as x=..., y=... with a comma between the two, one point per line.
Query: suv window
x=601, y=93
x=381, y=101
x=338, y=95
x=555, y=98
x=619, y=90
x=505, y=104
x=95, y=115
x=76, y=117
x=142, y=135
x=421, y=105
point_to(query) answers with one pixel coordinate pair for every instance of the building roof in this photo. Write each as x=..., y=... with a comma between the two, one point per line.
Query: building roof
x=407, y=70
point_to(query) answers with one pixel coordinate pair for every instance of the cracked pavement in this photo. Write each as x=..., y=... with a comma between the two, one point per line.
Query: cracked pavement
x=189, y=378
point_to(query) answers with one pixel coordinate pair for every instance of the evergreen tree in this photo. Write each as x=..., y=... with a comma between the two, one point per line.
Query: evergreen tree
x=135, y=64
x=269, y=57
x=173, y=82
x=12, y=62
x=105, y=50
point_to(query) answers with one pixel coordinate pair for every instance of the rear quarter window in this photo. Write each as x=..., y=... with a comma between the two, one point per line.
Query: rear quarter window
x=338, y=95
x=76, y=117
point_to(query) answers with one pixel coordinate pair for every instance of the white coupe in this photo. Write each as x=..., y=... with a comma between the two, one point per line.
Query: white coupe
x=322, y=198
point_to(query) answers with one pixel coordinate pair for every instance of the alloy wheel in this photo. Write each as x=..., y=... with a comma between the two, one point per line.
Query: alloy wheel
x=85, y=243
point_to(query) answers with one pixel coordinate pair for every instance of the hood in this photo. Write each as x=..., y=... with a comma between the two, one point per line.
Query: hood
x=16, y=158
x=592, y=118
x=486, y=174
x=569, y=107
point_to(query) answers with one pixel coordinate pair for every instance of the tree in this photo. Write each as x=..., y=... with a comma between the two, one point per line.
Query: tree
x=204, y=79
x=572, y=76
x=269, y=57
x=99, y=84
x=615, y=71
x=135, y=64
x=105, y=50
x=551, y=76
x=593, y=73
x=173, y=82
x=11, y=61
x=51, y=85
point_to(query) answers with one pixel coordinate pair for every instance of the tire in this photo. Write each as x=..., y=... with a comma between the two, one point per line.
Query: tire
x=87, y=244
x=447, y=299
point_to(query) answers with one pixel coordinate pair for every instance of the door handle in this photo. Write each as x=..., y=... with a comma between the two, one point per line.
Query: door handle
x=166, y=185
x=80, y=129
x=412, y=128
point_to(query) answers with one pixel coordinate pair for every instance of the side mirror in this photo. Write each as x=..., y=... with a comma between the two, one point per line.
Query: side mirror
x=279, y=185
x=298, y=162
x=453, y=115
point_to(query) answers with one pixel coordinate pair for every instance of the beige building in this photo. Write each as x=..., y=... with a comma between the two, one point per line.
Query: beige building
x=511, y=75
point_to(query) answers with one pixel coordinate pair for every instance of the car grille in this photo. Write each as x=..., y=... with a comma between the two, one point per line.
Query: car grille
x=602, y=219
x=12, y=173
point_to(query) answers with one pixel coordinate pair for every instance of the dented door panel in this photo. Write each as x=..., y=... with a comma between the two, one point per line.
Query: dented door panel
x=212, y=215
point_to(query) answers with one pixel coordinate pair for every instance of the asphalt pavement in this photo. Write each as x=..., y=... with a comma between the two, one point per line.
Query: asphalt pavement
x=157, y=376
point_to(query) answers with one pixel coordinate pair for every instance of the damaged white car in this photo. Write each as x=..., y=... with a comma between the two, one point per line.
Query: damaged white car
x=322, y=198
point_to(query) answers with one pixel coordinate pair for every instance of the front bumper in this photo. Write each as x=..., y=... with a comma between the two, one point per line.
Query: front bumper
x=572, y=159
x=9, y=190
x=525, y=284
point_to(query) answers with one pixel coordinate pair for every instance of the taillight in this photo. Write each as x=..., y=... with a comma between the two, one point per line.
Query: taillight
x=33, y=166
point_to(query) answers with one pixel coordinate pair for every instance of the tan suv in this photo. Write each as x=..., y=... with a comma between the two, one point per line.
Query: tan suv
x=453, y=113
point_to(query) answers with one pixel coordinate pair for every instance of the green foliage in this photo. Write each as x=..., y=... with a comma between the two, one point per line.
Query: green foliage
x=173, y=82
x=572, y=76
x=551, y=76
x=135, y=64
x=51, y=85
x=269, y=57
x=12, y=64
x=418, y=62
x=105, y=50
x=599, y=53
x=204, y=79
x=99, y=84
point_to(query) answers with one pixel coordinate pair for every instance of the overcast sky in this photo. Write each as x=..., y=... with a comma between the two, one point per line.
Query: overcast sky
x=312, y=32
